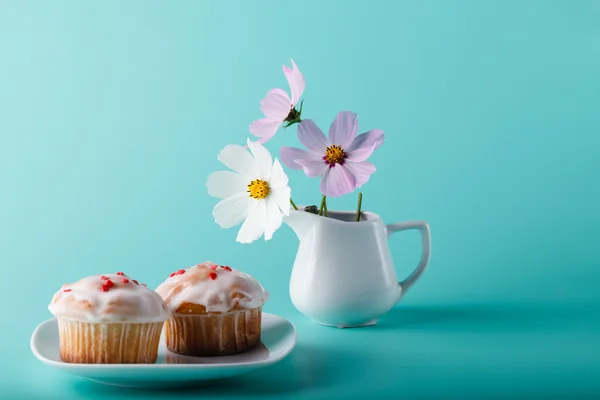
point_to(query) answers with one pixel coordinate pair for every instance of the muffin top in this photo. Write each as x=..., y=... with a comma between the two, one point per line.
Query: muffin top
x=109, y=298
x=215, y=288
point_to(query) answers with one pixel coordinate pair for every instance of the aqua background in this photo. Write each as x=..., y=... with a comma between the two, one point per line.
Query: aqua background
x=112, y=113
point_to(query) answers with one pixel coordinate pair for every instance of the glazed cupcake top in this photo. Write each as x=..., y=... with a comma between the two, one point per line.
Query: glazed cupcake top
x=216, y=287
x=109, y=298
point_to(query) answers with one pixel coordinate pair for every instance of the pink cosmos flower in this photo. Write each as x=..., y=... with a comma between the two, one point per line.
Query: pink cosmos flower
x=278, y=107
x=340, y=158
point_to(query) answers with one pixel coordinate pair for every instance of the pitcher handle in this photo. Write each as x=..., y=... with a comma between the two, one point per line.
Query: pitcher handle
x=425, y=252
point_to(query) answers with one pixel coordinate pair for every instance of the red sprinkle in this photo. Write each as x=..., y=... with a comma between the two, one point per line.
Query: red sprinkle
x=214, y=266
x=105, y=288
x=136, y=282
x=109, y=283
x=172, y=274
x=226, y=268
x=212, y=276
x=67, y=290
x=104, y=278
x=181, y=271
x=125, y=280
x=120, y=273
x=143, y=284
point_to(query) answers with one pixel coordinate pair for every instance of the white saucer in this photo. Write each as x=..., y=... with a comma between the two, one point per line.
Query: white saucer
x=278, y=338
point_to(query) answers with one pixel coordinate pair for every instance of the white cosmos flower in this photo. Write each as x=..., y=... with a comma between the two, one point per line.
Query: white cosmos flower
x=256, y=191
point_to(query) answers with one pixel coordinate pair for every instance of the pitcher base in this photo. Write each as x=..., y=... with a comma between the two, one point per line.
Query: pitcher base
x=342, y=326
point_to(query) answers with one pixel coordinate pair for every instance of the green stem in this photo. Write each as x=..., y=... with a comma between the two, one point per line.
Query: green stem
x=322, y=205
x=359, y=206
x=325, y=207
x=293, y=205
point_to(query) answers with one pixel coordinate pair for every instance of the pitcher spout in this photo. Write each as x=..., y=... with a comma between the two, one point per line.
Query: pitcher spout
x=301, y=222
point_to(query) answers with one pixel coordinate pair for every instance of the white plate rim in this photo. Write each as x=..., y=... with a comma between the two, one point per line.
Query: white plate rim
x=65, y=365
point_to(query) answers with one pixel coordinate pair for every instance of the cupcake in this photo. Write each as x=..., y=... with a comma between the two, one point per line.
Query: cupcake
x=216, y=310
x=109, y=319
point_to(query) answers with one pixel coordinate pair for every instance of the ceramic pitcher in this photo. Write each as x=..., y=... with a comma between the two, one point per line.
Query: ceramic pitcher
x=343, y=274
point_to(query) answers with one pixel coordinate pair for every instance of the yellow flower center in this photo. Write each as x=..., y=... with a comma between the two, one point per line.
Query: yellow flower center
x=334, y=154
x=258, y=189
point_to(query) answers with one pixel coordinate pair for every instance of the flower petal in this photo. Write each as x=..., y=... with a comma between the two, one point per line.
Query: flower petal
x=276, y=105
x=296, y=82
x=264, y=128
x=281, y=196
x=373, y=138
x=313, y=165
x=337, y=181
x=290, y=154
x=360, y=154
x=238, y=159
x=223, y=184
x=364, y=145
x=361, y=171
x=312, y=137
x=263, y=159
x=232, y=210
x=344, y=128
x=278, y=177
x=273, y=220
x=254, y=226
